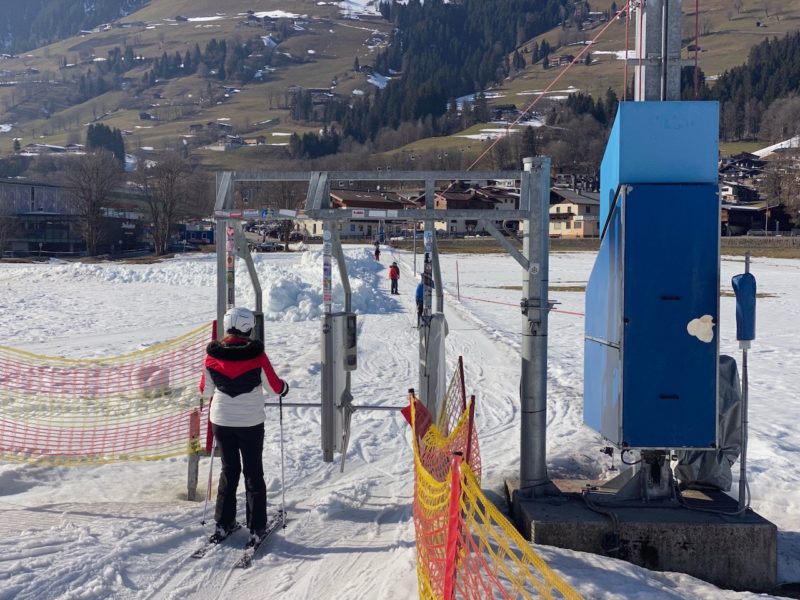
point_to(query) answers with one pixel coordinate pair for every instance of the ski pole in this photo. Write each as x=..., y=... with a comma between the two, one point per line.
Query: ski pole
x=210, y=469
x=283, y=488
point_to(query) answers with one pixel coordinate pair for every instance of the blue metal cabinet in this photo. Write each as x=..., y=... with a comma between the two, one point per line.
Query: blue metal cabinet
x=650, y=367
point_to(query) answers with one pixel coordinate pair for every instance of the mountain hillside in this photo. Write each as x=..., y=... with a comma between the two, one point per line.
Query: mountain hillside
x=182, y=74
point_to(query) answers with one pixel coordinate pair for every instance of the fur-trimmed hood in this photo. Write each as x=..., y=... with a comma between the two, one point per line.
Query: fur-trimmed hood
x=247, y=350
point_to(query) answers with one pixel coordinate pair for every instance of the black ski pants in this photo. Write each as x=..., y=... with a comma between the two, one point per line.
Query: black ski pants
x=249, y=443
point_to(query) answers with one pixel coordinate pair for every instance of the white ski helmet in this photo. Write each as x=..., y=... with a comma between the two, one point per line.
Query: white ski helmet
x=239, y=318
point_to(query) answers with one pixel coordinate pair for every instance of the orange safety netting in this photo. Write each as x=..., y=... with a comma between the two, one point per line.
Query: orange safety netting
x=142, y=405
x=452, y=410
x=466, y=548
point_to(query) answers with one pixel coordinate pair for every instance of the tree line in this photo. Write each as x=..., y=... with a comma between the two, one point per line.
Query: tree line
x=754, y=95
x=29, y=24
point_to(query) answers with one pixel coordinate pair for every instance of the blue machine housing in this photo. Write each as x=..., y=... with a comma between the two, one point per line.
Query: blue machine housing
x=652, y=301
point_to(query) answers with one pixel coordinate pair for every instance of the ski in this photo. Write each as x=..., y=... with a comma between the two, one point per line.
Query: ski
x=212, y=542
x=250, y=551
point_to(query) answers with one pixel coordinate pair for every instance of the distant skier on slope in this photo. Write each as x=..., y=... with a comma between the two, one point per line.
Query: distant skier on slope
x=235, y=371
x=377, y=250
x=394, y=276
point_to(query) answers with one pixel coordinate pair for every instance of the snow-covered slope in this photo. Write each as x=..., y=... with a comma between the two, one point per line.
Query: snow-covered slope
x=124, y=531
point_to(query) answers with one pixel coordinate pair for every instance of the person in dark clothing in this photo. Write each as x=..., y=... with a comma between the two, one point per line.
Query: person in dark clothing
x=235, y=373
x=419, y=297
x=394, y=277
x=377, y=251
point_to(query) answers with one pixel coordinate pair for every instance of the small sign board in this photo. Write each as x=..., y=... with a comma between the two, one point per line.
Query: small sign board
x=358, y=213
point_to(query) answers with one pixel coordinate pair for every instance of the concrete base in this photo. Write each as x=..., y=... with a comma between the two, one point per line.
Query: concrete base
x=738, y=553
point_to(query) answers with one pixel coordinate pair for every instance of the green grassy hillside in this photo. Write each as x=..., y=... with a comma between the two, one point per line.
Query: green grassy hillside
x=320, y=51
x=322, y=48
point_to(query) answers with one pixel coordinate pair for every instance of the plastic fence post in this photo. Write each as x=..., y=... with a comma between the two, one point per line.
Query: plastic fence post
x=453, y=528
x=194, y=456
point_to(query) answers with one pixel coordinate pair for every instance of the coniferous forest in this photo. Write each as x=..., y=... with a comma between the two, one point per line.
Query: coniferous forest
x=27, y=24
x=443, y=51
x=747, y=93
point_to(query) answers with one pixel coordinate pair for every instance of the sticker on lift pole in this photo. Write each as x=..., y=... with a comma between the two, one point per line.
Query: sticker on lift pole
x=428, y=240
x=534, y=269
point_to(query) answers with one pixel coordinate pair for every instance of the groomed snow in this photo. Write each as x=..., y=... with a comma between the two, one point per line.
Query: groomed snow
x=123, y=530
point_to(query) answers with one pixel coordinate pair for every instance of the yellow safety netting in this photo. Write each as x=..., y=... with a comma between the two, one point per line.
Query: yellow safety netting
x=142, y=405
x=466, y=548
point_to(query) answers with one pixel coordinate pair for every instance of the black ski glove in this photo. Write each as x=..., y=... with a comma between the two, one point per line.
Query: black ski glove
x=284, y=390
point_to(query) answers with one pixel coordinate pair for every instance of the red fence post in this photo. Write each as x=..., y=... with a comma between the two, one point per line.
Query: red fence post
x=453, y=528
x=470, y=428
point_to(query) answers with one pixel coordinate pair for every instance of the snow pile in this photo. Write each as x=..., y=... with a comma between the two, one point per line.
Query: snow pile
x=5, y=127
x=292, y=290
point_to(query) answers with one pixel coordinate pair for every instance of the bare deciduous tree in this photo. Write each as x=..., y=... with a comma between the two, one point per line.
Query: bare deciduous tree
x=89, y=181
x=166, y=188
x=738, y=4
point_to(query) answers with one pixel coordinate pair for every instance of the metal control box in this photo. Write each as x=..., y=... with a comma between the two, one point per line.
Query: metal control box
x=652, y=328
x=339, y=358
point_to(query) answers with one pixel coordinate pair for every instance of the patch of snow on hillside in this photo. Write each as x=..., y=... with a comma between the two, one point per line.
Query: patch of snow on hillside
x=378, y=80
x=278, y=14
x=353, y=8
x=5, y=127
x=570, y=90
x=197, y=19
x=471, y=98
x=620, y=54
x=790, y=143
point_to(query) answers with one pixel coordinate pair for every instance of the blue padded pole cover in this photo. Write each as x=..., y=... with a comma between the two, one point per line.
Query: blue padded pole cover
x=744, y=286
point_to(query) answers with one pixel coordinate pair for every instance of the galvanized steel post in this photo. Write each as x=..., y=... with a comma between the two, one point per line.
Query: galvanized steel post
x=535, y=189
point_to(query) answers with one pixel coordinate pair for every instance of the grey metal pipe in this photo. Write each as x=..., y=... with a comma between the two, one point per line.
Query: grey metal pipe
x=533, y=380
x=337, y=248
x=437, y=276
x=744, y=424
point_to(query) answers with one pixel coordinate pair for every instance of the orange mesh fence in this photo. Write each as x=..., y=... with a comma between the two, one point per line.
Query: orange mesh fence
x=142, y=405
x=451, y=412
x=466, y=548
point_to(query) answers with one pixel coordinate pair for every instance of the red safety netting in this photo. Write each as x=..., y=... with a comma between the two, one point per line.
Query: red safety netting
x=142, y=405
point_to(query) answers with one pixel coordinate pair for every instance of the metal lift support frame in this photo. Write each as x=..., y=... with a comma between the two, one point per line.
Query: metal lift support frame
x=533, y=211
